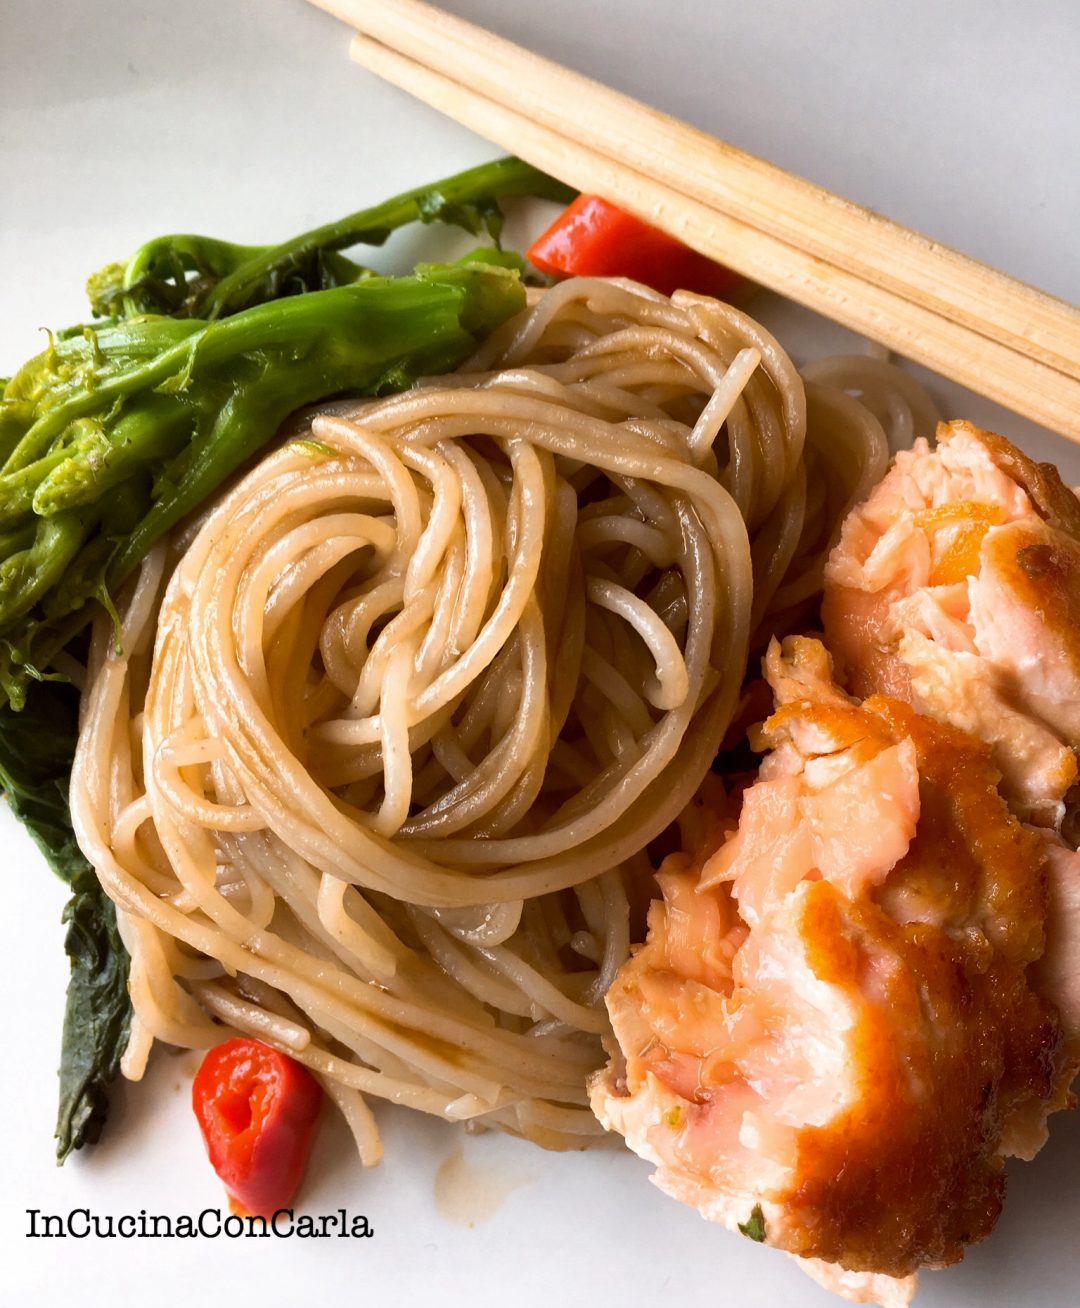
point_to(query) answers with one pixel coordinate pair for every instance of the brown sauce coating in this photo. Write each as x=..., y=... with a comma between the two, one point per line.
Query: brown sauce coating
x=951, y=1040
x=1052, y=498
x=964, y=525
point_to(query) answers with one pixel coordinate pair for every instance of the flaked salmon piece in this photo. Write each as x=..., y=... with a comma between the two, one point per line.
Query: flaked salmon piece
x=829, y=1039
x=861, y=1287
x=965, y=689
x=956, y=587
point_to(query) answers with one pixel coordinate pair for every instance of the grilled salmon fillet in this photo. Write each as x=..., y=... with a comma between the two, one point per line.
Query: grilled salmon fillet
x=832, y=1035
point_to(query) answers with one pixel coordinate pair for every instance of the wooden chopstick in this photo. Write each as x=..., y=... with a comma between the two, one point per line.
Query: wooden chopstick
x=442, y=60
x=727, y=179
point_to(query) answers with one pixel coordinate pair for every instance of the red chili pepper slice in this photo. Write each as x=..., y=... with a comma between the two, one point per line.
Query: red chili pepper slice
x=257, y=1110
x=593, y=238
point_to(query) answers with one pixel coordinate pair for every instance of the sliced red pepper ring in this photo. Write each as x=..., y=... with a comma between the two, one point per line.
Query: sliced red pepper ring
x=594, y=238
x=257, y=1109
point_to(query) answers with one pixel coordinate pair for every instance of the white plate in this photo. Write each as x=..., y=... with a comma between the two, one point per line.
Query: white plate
x=122, y=120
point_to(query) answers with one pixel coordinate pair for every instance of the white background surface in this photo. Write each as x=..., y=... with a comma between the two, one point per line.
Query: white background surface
x=120, y=120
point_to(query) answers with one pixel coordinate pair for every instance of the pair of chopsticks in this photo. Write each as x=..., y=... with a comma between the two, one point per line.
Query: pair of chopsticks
x=995, y=335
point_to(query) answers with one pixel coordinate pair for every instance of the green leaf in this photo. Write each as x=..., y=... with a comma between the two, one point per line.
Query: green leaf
x=754, y=1227
x=97, y=1016
x=36, y=749
x=37, y=746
